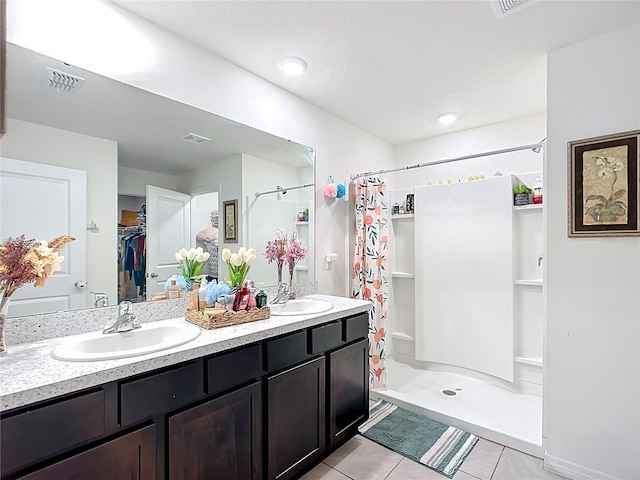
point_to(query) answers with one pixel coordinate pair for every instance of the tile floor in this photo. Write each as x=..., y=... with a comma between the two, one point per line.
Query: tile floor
x=362, y=459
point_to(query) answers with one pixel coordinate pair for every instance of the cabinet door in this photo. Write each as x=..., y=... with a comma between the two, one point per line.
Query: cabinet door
x=218, y=440
x=295, y=419
x=132, y=456
x=348, y=390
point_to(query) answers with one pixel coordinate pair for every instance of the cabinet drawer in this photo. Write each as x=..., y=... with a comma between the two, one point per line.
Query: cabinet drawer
x=324, y=338
x=356, y=327
x=286, y=351
x=230, y=370
x=44, y=431
x=159, y=392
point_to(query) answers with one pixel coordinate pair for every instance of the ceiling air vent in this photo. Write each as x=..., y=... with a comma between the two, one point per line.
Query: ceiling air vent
x=196, y=139
x=61, y=81
x=505, y=7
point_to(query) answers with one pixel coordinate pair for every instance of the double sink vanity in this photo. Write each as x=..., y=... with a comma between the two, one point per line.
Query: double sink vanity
x=261, y=400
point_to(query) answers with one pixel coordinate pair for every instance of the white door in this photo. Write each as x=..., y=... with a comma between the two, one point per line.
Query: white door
x=45, y=202
x=168, y=230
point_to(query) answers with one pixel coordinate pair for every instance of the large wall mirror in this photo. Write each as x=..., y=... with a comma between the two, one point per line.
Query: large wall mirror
x=134, y=177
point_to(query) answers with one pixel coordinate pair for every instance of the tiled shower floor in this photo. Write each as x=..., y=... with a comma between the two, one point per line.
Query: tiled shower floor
x=489, y=411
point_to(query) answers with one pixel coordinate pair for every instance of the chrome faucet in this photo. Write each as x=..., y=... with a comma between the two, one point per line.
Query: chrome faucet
x=100, y=299
x=283, y=295
x=126, y=320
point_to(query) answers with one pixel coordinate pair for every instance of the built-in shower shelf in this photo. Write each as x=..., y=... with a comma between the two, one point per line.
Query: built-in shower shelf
x=402, y=336
x=403, y=275
x=403, y=216
x=531, y=206
x=535, y=361
x=301, y=268
x=302, y=223
x=531, y=283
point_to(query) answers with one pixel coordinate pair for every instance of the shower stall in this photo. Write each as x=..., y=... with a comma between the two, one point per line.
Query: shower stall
x=465, y=323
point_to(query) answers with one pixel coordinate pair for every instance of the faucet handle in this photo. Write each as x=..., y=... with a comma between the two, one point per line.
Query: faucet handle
x=125, y=308
x=283, y=288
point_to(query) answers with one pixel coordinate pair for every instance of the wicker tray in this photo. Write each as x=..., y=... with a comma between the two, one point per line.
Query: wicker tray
x=226, y=319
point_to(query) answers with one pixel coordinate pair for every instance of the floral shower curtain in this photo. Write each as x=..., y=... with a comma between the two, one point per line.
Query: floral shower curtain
x=370, y=279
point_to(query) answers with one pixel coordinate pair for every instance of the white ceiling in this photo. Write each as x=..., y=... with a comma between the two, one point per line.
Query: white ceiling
x=390, y=67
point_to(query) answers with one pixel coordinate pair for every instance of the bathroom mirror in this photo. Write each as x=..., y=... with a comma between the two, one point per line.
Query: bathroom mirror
x=120, y=140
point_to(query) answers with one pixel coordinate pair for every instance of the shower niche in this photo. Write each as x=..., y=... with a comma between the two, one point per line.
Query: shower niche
x=466, y=281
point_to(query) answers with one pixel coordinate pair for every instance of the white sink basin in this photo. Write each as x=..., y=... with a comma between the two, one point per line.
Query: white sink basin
x=150, y=338
x=301, y=306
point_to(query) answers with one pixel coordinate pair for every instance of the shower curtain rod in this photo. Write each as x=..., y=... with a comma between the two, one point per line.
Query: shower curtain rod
x=284, y=190
x=536, y=147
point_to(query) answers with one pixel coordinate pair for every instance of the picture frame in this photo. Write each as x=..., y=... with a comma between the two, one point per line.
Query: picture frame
x=603, y=185
x=230, y=221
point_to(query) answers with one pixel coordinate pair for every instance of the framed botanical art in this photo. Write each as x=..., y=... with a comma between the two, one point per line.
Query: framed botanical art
x=603, y=185
x=230, y=221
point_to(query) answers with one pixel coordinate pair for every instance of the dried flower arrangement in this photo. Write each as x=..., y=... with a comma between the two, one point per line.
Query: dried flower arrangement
x=24, y=261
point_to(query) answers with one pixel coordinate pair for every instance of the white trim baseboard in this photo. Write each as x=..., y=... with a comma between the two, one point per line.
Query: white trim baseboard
x=573, y=470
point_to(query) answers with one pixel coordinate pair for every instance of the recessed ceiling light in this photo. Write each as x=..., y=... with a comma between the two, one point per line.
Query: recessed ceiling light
x=447, y=118
x=293, y=66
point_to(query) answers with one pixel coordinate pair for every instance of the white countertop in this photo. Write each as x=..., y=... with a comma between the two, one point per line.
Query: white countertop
x=29, y=374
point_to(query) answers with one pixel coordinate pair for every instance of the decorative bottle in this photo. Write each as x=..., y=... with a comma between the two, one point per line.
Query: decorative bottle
x=241, y=301
x=174, y=290
x=261, y=299
x=202, y=295
x=194, y=297
x=537, y=191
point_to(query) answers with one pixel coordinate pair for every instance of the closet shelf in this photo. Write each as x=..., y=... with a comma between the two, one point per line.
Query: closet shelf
x=403, y=216
x=402, y=275
x=402, y=336
x=535, y=361
x=531, y=206
x=531, y=283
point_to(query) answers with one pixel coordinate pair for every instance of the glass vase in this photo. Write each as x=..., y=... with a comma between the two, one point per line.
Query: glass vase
x=3, y=317
x=291, y=267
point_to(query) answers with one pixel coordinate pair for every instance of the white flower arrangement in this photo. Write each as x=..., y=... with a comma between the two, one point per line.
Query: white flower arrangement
x=238, y=264
x=191, y=262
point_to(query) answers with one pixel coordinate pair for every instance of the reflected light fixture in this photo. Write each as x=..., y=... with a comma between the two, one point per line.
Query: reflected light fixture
x=447, y=118
x=291, y=66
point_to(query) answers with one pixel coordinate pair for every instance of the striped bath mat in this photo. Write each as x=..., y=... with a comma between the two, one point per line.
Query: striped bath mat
x=433, y=444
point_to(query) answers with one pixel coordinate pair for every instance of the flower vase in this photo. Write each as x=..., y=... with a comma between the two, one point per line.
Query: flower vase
x=291, y=267
x=3, y=317
x=279, y=273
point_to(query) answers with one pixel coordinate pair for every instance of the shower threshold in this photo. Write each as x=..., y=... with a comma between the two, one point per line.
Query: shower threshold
x=488, y=411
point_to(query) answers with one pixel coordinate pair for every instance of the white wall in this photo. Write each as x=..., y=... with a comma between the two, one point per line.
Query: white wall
x=224, y=176
x=203, y=205
x=99, y=158
x=132, y=181
x=513, y=133
x=150, y=58
x=592, y=384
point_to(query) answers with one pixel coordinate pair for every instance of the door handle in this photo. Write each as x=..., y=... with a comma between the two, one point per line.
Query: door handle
x=80, y=284
x=151, y=275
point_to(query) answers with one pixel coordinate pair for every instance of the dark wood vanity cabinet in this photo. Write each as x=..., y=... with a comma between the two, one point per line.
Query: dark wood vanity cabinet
x=132, y=456
x=295, y=419
x=220, y=439
x=269, y=410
